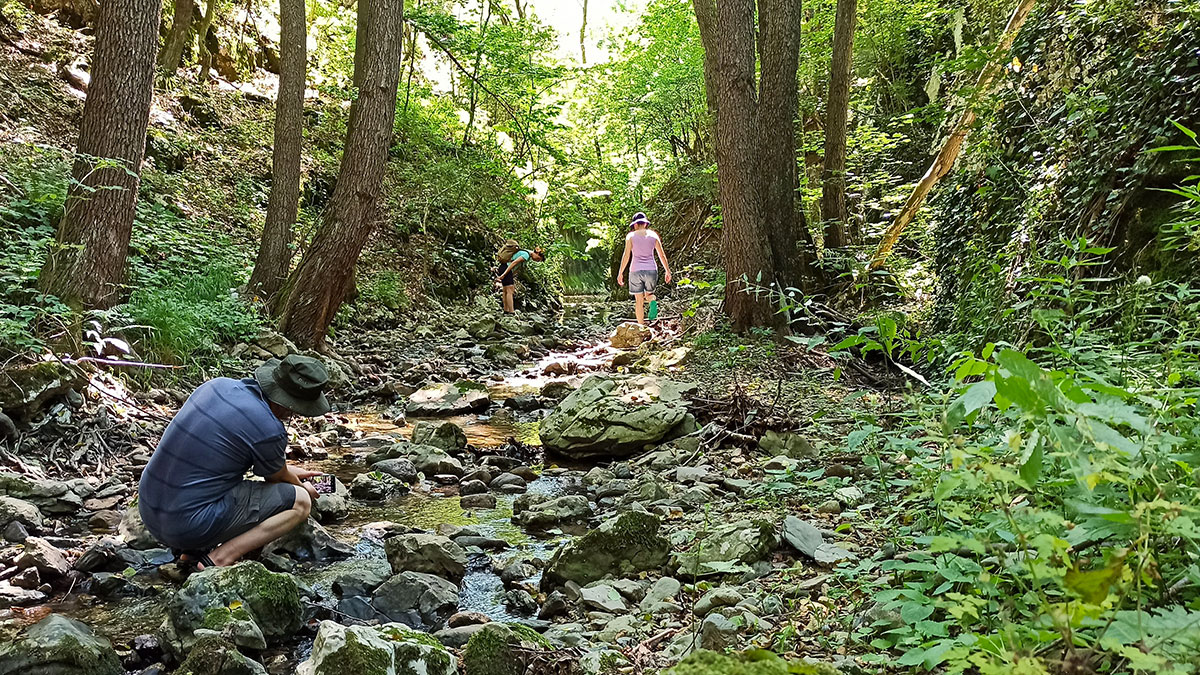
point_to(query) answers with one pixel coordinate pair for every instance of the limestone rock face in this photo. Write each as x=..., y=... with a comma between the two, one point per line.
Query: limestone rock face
x=616, y=416
x=623, y=546
x=247, y=603
x=390, y=649
x=445, y=399
x=57, y=645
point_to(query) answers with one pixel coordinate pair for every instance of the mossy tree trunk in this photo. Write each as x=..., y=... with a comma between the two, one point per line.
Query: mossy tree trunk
x=320, y=283
x=86, y=265
x=833, y=183
x=177, y=38
x=275, y=250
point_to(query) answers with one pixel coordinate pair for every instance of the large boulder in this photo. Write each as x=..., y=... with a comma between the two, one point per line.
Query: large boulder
x=309, y=541
x=21, y=511
x=57, y=645
x=445, y=399
x=419, y=600
x=428, y=554
x=215, y=655
x=25, y=388
x=623, y=546
x=569, y=509
x=390, y=649
x=502, y=649
x=433, y=461
x=446, y=436
x=50, y=496
x=728, y=548
x=615, y=416
x=245, y=603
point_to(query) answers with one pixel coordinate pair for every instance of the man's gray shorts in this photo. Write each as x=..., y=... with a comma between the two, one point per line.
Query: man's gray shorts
x=253, y=502
x=643, y=281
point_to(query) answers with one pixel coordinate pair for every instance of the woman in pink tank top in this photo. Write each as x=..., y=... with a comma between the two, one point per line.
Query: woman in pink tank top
x=640, y=247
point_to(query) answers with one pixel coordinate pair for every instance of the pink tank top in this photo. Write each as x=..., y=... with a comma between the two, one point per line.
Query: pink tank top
x=643, y=252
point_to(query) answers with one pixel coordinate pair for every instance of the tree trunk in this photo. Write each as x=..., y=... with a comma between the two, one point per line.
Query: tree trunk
x=203, y=53
x=583, y=35
x=320, y=282
x=949, y=153
x=743, y=246
x=706, y=19
x=86, y=266
x=177, y=38
x=275, y=252
x=484, y=19
x=833, y=183
x=779, y=47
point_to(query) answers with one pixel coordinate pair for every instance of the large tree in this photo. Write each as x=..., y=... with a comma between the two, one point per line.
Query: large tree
x=744, y=248
x=86, y=265
x=833, y=182
x=325, y=274
x=275, y=251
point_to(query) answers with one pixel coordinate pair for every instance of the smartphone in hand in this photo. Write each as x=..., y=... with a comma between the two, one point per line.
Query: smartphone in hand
x=323, y=483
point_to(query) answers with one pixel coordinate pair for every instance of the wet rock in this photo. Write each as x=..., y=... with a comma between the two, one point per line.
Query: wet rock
x=555, y=605
x=446, y=436
x=663, y=590
x=310, y=541
x=333, y=506
x=57, y=645
x=482, y=329
x=134, y=533
x=432, y=462
x=390, y=648
x=528, y=501
x=363, y=578
x=615, y=416
x=467, y=619
x=443, y=400
x=516, y=572
x=428, y=554
x=376, y=486
x=15, y=596
x=520, y=602
x=416, y=599
x=499, y=463
x=723, y=596
x=630, y=335
x=472, y=487
x=726, y=547
x=13, y=510
x=104, y=555
x=51, y=497
x=623, y=546
x=481, y=475
x=556, y=390
x=213, y=655
x=49, y=562
x=483, y=501
x=506, y=481
x=524, y=403
x=108, y=585
x=486, y=543
x=598, y=476
x=245, y=602
x=399, y=468
x=569, y=509
x=604, y=598
x=501, y=649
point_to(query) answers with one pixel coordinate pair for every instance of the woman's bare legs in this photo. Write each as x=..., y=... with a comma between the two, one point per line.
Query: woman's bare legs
x=509, y=300
x=265, y=532
x=640, y=306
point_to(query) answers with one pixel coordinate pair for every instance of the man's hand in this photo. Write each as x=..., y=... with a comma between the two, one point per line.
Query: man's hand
x=312, y=491
x=301, y=474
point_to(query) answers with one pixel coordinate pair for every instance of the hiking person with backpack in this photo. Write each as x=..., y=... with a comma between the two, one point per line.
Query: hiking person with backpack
x=641, y=244
x=510, y=257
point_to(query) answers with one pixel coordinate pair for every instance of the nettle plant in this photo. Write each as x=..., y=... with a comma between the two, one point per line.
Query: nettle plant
x=1066, y=533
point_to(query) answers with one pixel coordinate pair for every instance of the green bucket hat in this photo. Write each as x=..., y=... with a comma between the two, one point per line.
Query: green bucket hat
x=296, y=383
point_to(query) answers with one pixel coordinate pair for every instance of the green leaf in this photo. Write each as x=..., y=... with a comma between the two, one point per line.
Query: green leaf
x=913, y=612
x=1031, y=469
x=1093, y=586
x=974, y=398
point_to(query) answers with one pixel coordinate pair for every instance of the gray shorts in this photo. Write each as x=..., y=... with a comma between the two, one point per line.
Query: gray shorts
x=643, y=281
x=253, y=502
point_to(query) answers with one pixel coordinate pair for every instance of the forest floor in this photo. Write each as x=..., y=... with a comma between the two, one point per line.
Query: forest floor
x=769, y=530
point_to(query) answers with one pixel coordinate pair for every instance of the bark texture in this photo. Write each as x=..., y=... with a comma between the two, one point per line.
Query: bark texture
x=204, y=52
x=833, y=179
x=944, y=161
x=706, y=19
x=744, y=248
x=86, y=266
x=275, y=252
x=779, y=48
x=325, y=274
x=177, y=38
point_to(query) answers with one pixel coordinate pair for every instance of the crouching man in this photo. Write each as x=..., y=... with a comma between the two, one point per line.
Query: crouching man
x=193, y=495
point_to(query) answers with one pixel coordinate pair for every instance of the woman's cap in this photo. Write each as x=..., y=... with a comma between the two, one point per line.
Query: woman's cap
x=639, y=218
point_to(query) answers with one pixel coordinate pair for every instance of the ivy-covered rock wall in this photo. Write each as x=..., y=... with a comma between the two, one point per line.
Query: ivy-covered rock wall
x=1064, y=155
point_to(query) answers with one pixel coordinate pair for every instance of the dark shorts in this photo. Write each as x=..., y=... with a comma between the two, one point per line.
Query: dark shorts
x=643, y=281
x=253, y=502
x=507, y=279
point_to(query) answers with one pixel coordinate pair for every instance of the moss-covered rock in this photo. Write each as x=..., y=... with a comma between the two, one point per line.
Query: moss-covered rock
x=217, y=656
x=759, y=662
x=57, y=645
x=245, y=603
x=500, y=649
x=716, y=550
x=623, y=546
x=390, y=649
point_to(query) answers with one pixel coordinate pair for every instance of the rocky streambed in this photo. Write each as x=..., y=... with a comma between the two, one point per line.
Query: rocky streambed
x=546, y=518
